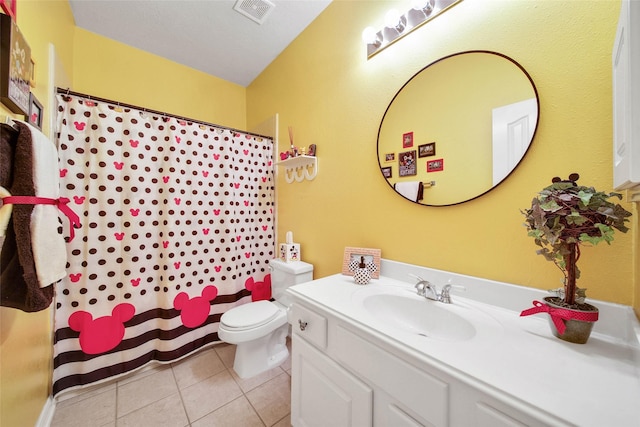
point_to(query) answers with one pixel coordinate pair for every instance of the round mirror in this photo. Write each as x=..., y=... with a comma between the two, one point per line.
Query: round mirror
x=458, y=128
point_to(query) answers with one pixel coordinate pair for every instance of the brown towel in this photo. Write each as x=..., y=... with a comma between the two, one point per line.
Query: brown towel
x=18, y=282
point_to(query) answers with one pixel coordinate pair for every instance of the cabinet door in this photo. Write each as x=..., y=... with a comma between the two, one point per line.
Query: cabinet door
x=626, y=98
x=389, y=414
x=421, y=393
x=471, y=406
x=324, y=394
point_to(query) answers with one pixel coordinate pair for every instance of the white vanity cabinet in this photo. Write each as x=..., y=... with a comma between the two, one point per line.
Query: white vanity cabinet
x=360, y=359
x=344, y=376
x=323, y=393
x=472, y=407
x=326, y=391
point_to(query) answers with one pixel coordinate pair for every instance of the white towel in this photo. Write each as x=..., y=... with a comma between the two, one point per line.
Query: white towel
x=408, y=189
x=5, y=212
x=48, y=246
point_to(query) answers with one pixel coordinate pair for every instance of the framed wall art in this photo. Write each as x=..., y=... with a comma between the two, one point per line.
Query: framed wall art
x=370, y=255
x=427, y=150
x=407, y=163
x=15, y=67
x=389, y=157
x=35, y=112
x=407, y=140
x=386, y=172
x=435, y=165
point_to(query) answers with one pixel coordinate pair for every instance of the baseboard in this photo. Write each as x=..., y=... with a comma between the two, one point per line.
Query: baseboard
x=46, y=416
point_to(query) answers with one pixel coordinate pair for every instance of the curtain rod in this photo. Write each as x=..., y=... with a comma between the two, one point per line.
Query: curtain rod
x=121, y=104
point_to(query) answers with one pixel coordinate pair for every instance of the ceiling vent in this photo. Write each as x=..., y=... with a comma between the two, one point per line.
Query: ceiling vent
x=256, y=10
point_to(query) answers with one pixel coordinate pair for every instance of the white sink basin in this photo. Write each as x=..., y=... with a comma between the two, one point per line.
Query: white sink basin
x=420, y=316
x=399, y=311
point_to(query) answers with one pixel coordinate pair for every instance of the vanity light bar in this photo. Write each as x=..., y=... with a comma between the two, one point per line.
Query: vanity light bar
x=397, y=26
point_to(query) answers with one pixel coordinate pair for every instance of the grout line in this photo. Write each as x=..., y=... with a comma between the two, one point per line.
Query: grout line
x=244, y=393
x=283, y=372
x=116, y=404
x=256, y=411
x=184, y=407
x=288, y=415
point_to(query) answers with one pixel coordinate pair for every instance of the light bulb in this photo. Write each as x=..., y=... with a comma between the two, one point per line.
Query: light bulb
x=425, y=6
x=369, y=36
x=392, y=18
x=395, y=21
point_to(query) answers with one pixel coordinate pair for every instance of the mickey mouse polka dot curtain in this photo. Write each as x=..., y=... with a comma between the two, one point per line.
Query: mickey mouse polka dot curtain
x=176, y=228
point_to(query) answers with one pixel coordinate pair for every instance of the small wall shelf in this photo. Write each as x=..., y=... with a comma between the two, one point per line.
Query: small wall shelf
x=299, y=168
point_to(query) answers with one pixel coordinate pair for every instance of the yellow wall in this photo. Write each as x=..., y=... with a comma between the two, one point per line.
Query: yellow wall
x=112, y=70
x=25, y=338
x=325, y=88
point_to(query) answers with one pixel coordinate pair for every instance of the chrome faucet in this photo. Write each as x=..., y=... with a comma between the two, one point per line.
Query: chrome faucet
x=445, y=296
x=430, y=291
x=425, y=288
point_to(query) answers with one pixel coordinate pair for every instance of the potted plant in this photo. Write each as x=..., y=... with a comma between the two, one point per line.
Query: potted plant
x=563, y=217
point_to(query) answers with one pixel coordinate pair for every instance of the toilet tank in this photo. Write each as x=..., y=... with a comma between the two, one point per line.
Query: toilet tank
x=285, y=274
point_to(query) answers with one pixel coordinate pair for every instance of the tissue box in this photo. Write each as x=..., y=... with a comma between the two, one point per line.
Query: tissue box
x=290, y=252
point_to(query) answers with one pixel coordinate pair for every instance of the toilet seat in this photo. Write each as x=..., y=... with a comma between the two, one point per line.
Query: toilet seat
x=251, y=321
x=249, y=316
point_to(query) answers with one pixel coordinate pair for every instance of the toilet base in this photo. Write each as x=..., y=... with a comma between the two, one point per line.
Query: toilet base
x=258, y=356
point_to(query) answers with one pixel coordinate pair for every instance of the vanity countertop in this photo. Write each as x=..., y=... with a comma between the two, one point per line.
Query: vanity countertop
x=592, y=384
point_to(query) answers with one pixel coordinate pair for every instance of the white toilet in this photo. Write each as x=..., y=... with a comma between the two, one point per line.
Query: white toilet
x=259, y=329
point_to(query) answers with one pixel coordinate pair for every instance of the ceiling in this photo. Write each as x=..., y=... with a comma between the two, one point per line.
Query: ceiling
x=207, y=35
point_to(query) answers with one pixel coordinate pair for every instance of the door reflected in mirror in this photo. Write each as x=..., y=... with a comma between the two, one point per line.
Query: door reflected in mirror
x=458, y=128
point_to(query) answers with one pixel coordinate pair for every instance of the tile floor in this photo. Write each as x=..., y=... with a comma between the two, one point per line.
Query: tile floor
x=201, y=390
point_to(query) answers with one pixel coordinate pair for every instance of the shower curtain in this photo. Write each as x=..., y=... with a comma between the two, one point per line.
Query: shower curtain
x=176, y=228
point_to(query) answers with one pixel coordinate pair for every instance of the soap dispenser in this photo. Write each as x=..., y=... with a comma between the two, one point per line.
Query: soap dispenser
x=362, y=270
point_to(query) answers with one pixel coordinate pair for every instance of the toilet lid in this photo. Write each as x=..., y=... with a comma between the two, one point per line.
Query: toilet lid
x=250, y=315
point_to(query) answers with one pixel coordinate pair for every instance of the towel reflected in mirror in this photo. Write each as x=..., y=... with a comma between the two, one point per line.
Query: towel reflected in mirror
x=412, y=190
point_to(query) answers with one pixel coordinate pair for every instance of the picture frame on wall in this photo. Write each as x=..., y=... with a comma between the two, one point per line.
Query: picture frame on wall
x=435, y=165
x=386, y=172
x=407, y=163
x=407, y=140
x=369, y=254
x=35, y=112
x=389, y=157
x=427, y=150
x=15, y=67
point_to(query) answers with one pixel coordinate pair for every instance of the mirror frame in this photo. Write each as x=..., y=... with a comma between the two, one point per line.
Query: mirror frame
x=533, y=86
